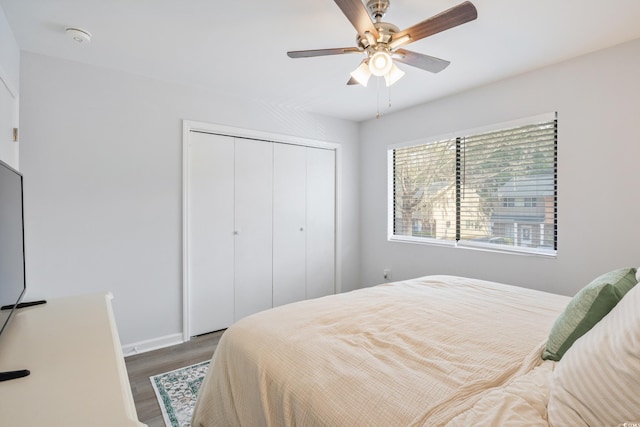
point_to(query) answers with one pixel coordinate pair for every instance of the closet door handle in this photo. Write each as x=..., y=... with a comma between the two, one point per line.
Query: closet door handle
x=236, y=232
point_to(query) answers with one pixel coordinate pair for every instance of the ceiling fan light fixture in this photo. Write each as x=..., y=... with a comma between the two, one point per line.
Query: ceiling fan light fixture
x=380, y=63
x=393, y=75
x=362, y=73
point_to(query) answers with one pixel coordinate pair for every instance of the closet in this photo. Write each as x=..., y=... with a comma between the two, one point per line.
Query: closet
x=260, y=226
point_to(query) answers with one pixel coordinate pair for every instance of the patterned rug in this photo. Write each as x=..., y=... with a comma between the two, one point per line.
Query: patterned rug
x=177, y=392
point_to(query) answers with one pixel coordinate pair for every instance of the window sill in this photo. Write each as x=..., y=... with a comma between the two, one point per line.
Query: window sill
x=501, y=249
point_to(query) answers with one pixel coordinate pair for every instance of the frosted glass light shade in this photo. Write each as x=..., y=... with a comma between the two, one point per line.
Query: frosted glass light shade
x=380, y=63
x=393, y=75
x=362, y=74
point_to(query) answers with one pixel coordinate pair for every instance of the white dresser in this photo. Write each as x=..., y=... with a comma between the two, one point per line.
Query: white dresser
x=78, y=374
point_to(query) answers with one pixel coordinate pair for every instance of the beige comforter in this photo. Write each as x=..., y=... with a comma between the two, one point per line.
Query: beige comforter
x=420, y=352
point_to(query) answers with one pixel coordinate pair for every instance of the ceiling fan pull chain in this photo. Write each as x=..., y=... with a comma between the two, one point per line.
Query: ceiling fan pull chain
x=377, y=98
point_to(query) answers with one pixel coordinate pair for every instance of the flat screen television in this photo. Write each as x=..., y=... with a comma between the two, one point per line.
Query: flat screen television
x=12, y=262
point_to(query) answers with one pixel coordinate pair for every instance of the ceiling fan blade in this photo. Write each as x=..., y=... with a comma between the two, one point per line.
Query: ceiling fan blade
x=321, y=52
x=357, y=14
x=419, y=60
x=457, y=15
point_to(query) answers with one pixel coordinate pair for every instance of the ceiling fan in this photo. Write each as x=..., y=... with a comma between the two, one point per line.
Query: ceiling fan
x=382, y=42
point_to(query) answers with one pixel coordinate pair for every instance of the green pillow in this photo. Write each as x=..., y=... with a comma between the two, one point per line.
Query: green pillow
x=590, y=304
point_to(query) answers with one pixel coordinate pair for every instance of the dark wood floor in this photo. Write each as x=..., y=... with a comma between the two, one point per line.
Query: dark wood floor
x=141, y=366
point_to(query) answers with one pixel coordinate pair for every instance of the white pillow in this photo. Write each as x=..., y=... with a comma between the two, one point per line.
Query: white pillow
x=597, y=382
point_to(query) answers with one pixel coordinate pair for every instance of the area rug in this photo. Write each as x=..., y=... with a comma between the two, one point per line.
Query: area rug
x=177, y=392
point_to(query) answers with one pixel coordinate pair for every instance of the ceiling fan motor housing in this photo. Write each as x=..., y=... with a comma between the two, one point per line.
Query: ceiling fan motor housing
x=385, y=30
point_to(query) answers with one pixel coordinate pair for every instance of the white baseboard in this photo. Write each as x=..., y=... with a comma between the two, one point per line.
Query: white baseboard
x=152, y=344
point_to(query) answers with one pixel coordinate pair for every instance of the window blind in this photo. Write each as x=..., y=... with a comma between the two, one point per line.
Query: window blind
x=424, y=188
x=496, y=188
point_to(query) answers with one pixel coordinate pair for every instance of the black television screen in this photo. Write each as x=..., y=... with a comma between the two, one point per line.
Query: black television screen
x=12, y=265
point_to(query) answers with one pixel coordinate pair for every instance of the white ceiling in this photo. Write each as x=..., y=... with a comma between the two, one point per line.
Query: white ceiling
x=239, y=47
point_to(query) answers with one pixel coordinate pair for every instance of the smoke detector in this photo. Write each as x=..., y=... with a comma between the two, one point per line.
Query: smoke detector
x=78, y=34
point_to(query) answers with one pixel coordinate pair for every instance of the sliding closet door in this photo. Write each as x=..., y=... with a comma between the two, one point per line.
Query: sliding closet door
x=253, y=226
x=289, y=223
x=211, y=239
x=320, y=244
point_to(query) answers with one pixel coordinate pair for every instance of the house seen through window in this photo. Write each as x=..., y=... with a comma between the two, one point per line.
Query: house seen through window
x=494, y=189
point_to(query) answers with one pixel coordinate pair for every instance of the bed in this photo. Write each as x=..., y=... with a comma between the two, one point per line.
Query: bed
x=436, y=350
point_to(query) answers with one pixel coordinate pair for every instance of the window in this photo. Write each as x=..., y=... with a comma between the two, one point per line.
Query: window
x=496, y=188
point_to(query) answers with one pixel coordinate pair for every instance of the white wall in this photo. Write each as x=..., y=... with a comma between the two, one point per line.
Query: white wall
x=9, y=96
x=101, y=157
x=597, y=98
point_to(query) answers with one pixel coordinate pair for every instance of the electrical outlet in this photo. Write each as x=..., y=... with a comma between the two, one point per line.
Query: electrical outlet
x=386, y=273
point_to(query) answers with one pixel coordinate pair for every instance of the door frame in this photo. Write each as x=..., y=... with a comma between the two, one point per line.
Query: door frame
x=189, y=126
